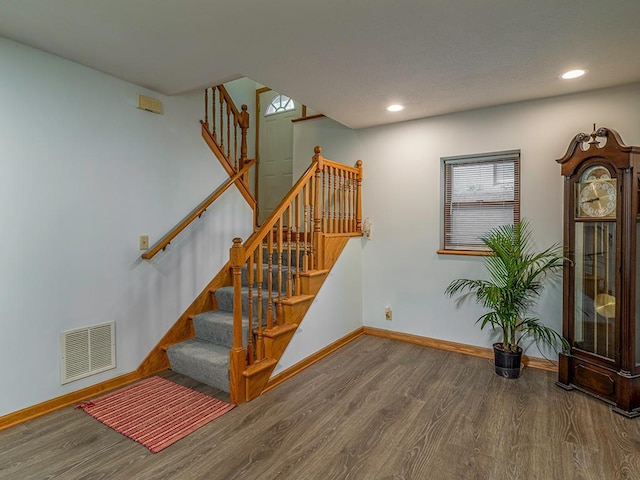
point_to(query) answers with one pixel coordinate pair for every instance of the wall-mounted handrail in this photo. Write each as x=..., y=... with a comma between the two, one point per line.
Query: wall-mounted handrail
x=197, y=212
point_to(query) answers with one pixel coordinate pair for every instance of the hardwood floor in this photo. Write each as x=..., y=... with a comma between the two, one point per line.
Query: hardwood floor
x=375, y=409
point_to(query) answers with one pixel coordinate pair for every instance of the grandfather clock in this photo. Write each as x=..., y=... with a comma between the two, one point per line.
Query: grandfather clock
x=601, y=308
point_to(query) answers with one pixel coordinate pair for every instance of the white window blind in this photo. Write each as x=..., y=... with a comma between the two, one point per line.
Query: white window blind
x=480, y=192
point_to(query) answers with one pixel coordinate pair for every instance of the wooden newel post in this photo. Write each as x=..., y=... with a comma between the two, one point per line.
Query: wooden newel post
x=318, y=210
x=359, y=197
x=238, y=358
x=317, y=214
x=243, y=122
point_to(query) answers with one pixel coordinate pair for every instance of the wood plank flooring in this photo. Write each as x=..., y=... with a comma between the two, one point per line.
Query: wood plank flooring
x=375, y=409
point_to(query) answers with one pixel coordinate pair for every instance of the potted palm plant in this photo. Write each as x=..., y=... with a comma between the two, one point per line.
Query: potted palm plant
x=515, y=274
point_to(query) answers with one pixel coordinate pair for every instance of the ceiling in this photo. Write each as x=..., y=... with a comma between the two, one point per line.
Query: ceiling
x=346, y=58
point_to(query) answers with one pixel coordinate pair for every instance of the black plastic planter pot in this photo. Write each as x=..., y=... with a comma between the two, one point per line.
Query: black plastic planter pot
x=507, y=363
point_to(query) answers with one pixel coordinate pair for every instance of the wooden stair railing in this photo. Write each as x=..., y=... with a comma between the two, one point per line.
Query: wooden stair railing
x=287, y=249
x=229, y=120
x=196, y=213
x=222, y=125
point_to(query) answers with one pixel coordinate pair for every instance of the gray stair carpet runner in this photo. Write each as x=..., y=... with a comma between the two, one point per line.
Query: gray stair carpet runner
x=206, y=357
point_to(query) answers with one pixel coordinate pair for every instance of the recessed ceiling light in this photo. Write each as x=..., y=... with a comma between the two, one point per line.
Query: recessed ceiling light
x=395, y=108
x=573, y=74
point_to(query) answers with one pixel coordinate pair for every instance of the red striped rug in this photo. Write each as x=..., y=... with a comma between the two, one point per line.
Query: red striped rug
x=155, y=412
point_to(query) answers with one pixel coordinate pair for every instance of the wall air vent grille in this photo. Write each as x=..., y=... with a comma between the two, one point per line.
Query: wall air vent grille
x=149, y=104
x=87, y=351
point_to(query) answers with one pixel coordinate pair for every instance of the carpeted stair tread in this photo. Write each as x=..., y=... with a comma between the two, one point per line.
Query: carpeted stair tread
x=206, y=357
x=201, y=360
x=216, y=326
x=224, y=297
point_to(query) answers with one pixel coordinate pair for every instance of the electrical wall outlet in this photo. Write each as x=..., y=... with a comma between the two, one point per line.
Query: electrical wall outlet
x=388, y=314
x=144, y=242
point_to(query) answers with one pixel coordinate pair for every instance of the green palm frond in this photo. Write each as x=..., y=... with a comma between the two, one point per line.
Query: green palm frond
x=515, y=275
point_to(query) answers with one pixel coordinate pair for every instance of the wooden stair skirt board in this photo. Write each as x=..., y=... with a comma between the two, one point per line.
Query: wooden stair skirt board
x=257, y=370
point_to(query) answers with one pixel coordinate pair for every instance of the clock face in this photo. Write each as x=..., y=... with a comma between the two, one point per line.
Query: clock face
x=597, y=198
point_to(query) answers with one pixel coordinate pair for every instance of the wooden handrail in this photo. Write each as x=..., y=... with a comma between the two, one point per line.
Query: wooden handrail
x=197, y=212
x=340, y=166
x=227, y=97
x=255, y=240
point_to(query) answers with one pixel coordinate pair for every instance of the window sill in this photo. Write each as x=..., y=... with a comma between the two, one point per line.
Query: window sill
x=471, y=253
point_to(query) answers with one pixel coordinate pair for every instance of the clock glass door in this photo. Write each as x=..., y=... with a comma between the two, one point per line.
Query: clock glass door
x=637, y=282
x=595, y=288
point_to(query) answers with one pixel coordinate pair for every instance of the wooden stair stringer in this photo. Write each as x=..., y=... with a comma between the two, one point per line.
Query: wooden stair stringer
x=294, y=309
x=182, y=330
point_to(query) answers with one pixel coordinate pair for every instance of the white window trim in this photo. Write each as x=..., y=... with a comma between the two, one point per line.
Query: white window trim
x=470, y=249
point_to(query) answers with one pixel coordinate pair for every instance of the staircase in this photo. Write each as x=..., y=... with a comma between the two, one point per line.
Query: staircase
x=206, y=357
x=236, y=330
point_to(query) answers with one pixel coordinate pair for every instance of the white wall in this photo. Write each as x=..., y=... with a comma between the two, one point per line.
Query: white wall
x=84, y=173
x=335, y=312
x=337, y=309
x=401, y=195
x=338, y=143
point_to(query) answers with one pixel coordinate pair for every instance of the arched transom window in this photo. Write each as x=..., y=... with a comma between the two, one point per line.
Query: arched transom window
x=280, y=103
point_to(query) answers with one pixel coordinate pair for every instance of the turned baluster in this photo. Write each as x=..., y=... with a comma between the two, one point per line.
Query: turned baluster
x=326, y=189
x=343, y=201
x=213, y=113
x=229, y=133
x=250, y=348
x=328, y=202
x=306, y=226
x=206, y=107
x=359, y=197
x=296, y=278
x=260, y=279
x=279, y=246
x=235, y=140
x=336, y=200
x=270, y=280
x=325, y=199
x=221, y=121
x=289, y=283
x=352, y=217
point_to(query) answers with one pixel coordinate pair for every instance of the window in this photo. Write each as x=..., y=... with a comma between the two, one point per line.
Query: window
x=479, y=192
x=280, y=103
